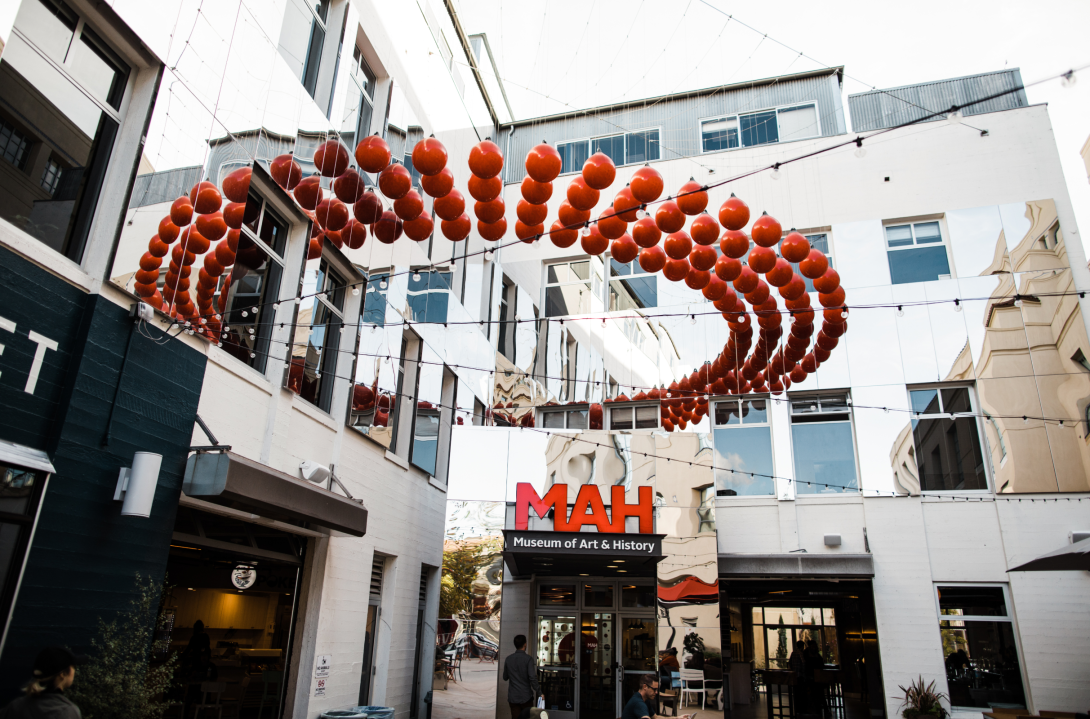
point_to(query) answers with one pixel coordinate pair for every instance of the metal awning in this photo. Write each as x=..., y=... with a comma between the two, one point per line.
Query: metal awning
x=1073, y=557
x=598, y=554
x=230, y=480
x=22, y=456
x=800, y=564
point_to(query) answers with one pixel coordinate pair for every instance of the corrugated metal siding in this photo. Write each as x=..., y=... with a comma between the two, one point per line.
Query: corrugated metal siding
x=165, y=186
x=679, y=118
x=880, y=109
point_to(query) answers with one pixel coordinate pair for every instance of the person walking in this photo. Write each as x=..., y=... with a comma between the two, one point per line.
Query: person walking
x=43, y=696
x=520, y=673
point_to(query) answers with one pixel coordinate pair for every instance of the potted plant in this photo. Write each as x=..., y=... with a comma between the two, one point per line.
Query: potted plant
x=923, y=700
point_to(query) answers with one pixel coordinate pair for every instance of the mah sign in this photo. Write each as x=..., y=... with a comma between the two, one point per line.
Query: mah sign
x=589, y=509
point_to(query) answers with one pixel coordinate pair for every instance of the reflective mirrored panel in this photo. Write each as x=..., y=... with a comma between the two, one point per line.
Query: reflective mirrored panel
x=743, y=447
x=1020, y=445
x=977, y=240
x=823, y=444
x=1034, y=236
x=884, y=444
x=428, y=402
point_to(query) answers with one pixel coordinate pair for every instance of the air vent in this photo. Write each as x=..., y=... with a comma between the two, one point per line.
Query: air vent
x=377, y=568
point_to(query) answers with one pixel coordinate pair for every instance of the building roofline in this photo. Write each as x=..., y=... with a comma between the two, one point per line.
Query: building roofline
x=838, y=69
x=936, y=82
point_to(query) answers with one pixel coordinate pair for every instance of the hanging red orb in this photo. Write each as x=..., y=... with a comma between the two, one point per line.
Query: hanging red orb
x=149, y=262
x=611, y=225
x=562, y=237
x=334, y=238
x=669, y=217
x=646, y=184
x=624, y=249
x=528, y=233
x=485, y=160
x=762, y=259
x=373, y=154
x=815, y=264
x=489, y=212
x=368, y=208
x=536, y=193
x=728, y=268
x=676, y=270
x=766, y=232
x=206, y=198
x=543, y=164
x=794, y=289
x=582, y=196
x=168, y=231
x=332, y=214
x=697, y=279
x=832, y=299
x=492, y=231
x=181, y=212
x=331, y=158
x=286, y=171
x=627, y=205
x=484, y=189
x=828, y=282
x=409, y=206
x=599, y=171
x=570, y=217
x=389, y=228
x=594, y=242
x=652, y=259
x=234, y=214
x=429, y=157
x=747, y=280
x=716, y=289
x=678, y=245
x=194, y=243
x=758, y=294
x=314, y=249
x=781, y=274
x=734, y=243
x=704, y=229
x=308, y=193
x=795, y=247
x=734, y=213
x=236, y=186
x=457, y=229
x=531, y=214
x=450, y=206
x=395, y=181
x=438, y=185
x=355, y=234
x=349, y=186
x=646, y=233
x=212, y=226
x=703, y=258
x=692, y=198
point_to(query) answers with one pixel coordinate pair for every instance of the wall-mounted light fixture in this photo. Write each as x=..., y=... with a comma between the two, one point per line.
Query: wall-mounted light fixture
x=832, y=540
x=136, y=485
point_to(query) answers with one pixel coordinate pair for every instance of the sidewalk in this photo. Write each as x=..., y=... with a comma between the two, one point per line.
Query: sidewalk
x=473, y=697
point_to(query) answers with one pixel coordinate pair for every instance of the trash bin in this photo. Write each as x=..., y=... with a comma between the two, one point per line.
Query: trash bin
x=375, y=712
x=345, y=714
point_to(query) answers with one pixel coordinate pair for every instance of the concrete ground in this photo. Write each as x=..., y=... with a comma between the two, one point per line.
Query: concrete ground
x=473, y=697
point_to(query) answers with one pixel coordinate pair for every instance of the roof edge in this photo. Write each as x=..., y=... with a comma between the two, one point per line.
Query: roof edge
x=1017, y=70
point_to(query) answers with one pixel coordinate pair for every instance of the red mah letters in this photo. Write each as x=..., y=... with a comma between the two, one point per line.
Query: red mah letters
x=589, y=508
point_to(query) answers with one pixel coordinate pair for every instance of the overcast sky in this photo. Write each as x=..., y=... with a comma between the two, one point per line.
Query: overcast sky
x=558, y=55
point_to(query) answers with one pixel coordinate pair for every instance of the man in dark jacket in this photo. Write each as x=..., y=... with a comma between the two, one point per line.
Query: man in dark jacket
x=54, y=671
x=521, y=676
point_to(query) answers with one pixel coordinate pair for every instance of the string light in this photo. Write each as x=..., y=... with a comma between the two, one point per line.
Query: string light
x=957, y=305
x=775, y=174
x=355, y=291
x=954, y=117
x=900, y=311
x=1068, y=79
x=860, y=151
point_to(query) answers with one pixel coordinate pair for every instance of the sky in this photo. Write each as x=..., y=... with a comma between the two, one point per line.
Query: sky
x=559, y=55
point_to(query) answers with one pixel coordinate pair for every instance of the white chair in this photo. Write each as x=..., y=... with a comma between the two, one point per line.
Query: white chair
x=689, y=677
x=215, y=688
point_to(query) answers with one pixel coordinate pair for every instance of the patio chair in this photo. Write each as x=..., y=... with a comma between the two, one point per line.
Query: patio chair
x=692, y=682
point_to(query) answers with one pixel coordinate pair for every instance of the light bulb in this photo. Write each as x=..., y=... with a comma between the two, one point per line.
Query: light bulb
x=586, y=230
x=859, y=151
x=603, y=323
x=382, y=284
x=253, y=354
x=957, y=305
x=692, y=319
x=954, y=117
x=1067, y=80
x=1025, y=419
x=355, y=291
x=886, y=410
x=488, y=256
x=813, y=408
x=900, y=311
x=373, y=328
x=1018, y=303
x=218, y=317
x=775, y=174
x=245, y=313
x=226, y=328
x=416, y=277
x=844, y=314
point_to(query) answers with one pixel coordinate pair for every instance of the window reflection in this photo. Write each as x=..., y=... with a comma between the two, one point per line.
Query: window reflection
x=948, y=450
x=821, y=435
x=743, y=448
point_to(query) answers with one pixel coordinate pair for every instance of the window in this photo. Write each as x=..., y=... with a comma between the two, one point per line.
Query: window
x=776, y=629
x=321, y=325
x=429, y=295
x=360, y=104
x=916, y=253
x=556, y=595
x=56, y=70
x=572, y=287
x=743, y=448
x=302, y=39
x=982, y=667
x=314, y=48
x=428, y=403
x=760, y=128
x=506, y=346
x=20, y=493
x=623, y=149
x=948, y=452
x=821, y=433
x=253, y=285
x=634, y=417
x=567, y=418
x=378, y=376
x=633, y=288
x=374, y=301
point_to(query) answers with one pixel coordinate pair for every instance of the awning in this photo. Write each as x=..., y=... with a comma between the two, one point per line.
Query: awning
x=22, y=456
x=598, y=554
x=800, y=564
x=1073, y=557
x=227, y=479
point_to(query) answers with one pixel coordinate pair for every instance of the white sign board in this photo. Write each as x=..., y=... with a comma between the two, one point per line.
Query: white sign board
x=319, y=688
x=321, y=666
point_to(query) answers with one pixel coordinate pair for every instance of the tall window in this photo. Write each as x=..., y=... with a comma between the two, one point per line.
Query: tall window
x=506, y=346
x=374, y=614
x=821, y=433
x=316, y=348
x=623, y=148
x=760, y=128
x=944, y=429
x=360, y=104
x=302, y=39
x=253, y=284
x=982, y=667
x=378, y=374
x=428, y=403
x=743, y=448
x=374, y=301
x=62, y=88
x=916, y=253
x=630, y=287
x=612, y=146
x=429, y=295
x=572, y=287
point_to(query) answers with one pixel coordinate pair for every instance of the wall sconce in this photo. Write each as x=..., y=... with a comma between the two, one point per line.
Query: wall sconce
x=136, y=485
x=832, y=540
x=314, y=472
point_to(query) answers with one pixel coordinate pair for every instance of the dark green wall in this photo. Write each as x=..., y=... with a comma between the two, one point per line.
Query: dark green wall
x=84, y=557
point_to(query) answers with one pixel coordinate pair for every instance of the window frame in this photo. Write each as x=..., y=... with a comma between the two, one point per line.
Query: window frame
x=567, y=410
x=714, y=425
x=849, y=411
x=980, y=430
x=737, y=116
x=593, y=275
x=637, y=272
x=610, y=407
x=316, y=23
x=589, y=139
x=329, y=273
x=944, y=236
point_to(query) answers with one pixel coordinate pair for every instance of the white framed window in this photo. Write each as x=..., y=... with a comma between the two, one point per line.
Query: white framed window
x=566, y=418
x=321, y=325
x=742, y=434
x=302, y=39
x=979, y=641
x=917, y=252
x=630, y=287
x=626, y=148
x=573, y=288
x=823, y=444
x=623, y=415
x=945, y=431
x=359, y=106
x=782, y=124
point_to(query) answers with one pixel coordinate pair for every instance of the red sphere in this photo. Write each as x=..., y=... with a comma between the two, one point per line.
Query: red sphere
x=678, y=245
x=543, y=164
x=181, y=212
x=821, y=354
x=236, y=186
x=734, y=213
x=798, y=375
x=206, y=198
x=234, y=214
x=492, y=231
x=485, y=160
x=704, y=230
x=697, y=279
x=746, y=281
x=308, y=193
x=536, y=193
x=389, y=227
x=716, y=289
x=762, y=259
x=828, y=282
x=168, y=231
x=528, y=233
x=599, y=171
x=611, y=225
x=626, y=204
x=356, y=233
x=703, y=258
x=331, y=158
x=795, y=247
x=570, y=217
x=368, y=208
x=781, y=274
x=669, y=217
x=758, y=294
x=530, y=213
x=581, y=195
x=484, y=189
x=449, y=206
x=395, y=181
x=646, y=184
x=286, y=171
x=692, y=199
x=734, y=243
x=562, y=237
x=225, y=256
x=834, y=315
x=332, y=214
x=832, y=299
x=594, y=242
x=409, y=206
x=438, y=185
x=149, y=262
x=646, y=233
x=314, y=251
x=334, y=237
x=652, y=259
x=489, y=212
x=194, y=243
x=373, y=154
x=212, y=226
x=793, y=289
x=429, y=158
x=766, y=232
x=728, y=268
x=676, y=270
x=349, y=187
x=624, y=249
x=815, y=264
x=457, y=229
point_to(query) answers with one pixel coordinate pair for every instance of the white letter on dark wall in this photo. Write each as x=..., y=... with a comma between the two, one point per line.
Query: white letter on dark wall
x=44, y=343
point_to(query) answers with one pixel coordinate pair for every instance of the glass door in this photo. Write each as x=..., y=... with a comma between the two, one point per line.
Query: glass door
x=638, y=652
x=556, y=661
x=597, y=667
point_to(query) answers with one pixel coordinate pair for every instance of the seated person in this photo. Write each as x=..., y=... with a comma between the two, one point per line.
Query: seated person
x=639, y=706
